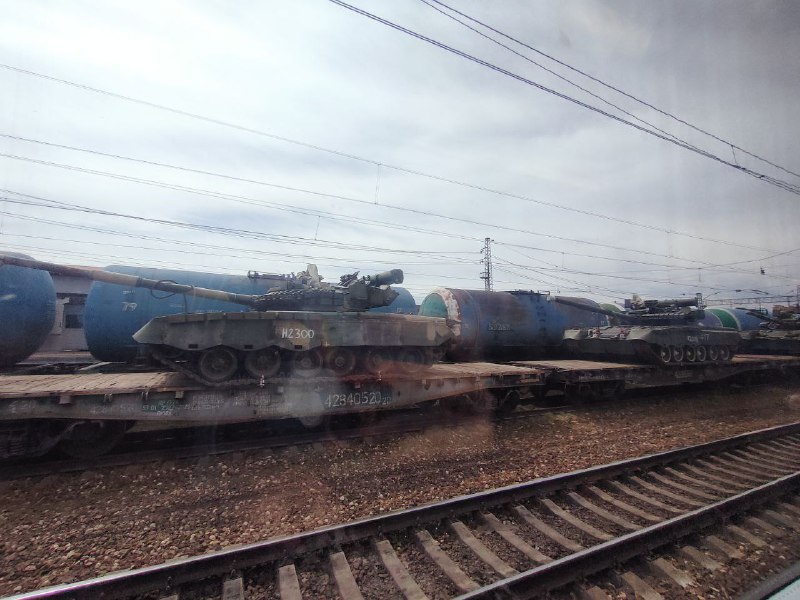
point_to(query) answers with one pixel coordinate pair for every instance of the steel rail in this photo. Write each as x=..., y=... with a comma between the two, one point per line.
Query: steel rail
x=182, y=571
x=568, y=569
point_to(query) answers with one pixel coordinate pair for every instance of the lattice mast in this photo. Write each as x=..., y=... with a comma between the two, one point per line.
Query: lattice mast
x=487, y=262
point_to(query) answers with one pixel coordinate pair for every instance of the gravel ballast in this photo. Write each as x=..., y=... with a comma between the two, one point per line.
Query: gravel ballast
x=69, y=527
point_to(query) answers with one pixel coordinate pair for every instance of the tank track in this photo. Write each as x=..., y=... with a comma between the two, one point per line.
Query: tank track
x=183, y=370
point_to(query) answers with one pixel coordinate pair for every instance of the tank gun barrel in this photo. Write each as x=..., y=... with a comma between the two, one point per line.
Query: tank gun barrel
x=653, y=312
x=352, y=294
x=385, y=278
x=589, y=308
x=129, y=280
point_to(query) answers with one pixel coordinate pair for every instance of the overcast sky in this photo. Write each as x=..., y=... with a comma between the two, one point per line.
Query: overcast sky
x=364, y=148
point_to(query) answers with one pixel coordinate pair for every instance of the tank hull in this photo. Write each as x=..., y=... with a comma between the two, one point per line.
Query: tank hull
x=501, y=325
x=27, y=311
x=667, y=345
x=771, y=342
x=219, y=347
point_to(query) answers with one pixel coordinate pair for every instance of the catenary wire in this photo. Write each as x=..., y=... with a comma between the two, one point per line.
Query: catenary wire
x=616, y=89
x=332, y=216
x=371, y=202
x=785, y=185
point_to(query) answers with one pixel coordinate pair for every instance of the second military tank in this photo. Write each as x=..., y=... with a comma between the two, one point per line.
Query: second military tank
x=663, y=332
x=778, y=334
x=303, y=331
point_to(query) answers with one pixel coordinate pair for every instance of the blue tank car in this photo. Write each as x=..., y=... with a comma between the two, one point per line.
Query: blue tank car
x=113, y=313
x=27, y=311
x=496, y=325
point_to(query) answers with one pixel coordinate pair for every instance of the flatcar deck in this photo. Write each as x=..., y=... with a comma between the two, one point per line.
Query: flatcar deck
x=172, y=397
x=575, y=371
x=167, y=396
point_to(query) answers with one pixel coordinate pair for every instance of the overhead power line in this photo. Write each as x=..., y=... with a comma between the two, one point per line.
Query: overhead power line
x=785, y=185
x=611, y=87
x=340, y=217
x=347, y=155
x=371, y=202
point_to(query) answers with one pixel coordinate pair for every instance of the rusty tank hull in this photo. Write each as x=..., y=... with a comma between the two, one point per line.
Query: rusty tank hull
x=664, y=345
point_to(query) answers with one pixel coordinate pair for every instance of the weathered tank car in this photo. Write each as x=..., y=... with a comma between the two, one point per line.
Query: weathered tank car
x=662, y=332
x=27, y=311
x=302, y=330
x=505, y=325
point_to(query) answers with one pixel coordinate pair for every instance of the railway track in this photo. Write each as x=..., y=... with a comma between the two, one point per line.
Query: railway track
x=642, y=524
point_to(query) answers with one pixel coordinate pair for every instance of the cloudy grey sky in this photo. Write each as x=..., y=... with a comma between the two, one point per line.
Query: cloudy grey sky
x=324, y=136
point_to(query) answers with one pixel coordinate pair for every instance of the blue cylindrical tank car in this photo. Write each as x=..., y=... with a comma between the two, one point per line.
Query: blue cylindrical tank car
x=516, y=324
x=27, y=311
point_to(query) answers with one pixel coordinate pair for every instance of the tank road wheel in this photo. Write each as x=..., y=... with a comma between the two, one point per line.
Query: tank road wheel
x=377, y=360
x=308, y=363
x=342, y=361
x=218, y=364
x=412, y=360
x=701, y=354
x=724, y=353
x=665, y=354
x=263, y=363
x=713, y=353
x=677, y=353
x=690, y=353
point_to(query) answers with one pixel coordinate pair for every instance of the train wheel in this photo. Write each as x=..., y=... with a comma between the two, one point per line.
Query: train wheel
x=701, y=354
x=713, y=353
x=665, y=354
x=218, y=364
x=90, y=439
x=507, y=404
x=308, y=363
x=342, y=361
x=263, y=363
x=690, y=353
x=724, y=353
x=314, y=422
x=677, y=353
x=412, y=360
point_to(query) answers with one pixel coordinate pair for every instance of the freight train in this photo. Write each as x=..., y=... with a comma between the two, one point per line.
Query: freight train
x=235, y=366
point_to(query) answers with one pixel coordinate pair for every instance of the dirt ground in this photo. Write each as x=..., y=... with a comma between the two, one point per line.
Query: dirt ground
x=65, y=528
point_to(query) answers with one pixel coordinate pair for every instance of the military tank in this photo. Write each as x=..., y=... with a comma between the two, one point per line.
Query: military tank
x=302, y=331
x=661, y=332
x=778, y=334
